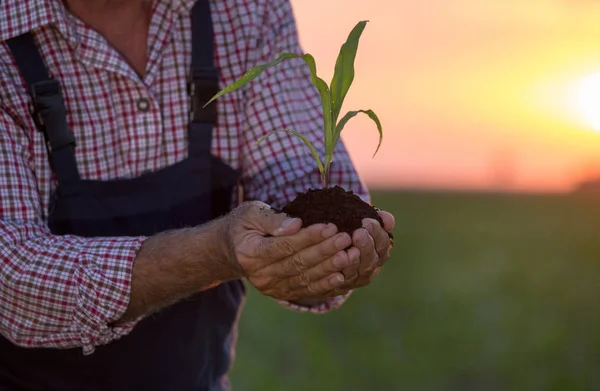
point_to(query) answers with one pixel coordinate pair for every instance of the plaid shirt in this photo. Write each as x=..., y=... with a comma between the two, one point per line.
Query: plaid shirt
x=64, y=291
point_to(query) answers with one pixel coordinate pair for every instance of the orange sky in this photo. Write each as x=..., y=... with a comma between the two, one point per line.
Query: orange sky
x=471, y=93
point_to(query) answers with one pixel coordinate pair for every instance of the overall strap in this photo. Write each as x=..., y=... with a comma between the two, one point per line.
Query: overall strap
x=49, y=109
x=203, y=82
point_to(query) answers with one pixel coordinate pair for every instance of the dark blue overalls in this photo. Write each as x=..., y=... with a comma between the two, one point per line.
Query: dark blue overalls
x=187, y=346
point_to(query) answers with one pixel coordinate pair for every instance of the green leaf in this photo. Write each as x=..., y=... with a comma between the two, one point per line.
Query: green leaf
x=351, y=114
x=305, y=140
x=328, y=123
x=256, y=71
x=343, y=75
x=251, y=75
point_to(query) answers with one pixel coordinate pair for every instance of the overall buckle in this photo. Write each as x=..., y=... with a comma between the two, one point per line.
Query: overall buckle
x=50, y=113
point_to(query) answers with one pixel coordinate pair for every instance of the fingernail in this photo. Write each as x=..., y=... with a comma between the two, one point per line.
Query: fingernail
x=342, y=242
x=340, y=261
x=329, y=231
x=337, y=280
x=287, y=222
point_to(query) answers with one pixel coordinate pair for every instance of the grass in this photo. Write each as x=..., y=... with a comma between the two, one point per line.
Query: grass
x=484, y=292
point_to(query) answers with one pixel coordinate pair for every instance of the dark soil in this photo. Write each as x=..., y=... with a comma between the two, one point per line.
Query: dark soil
x=331, y=205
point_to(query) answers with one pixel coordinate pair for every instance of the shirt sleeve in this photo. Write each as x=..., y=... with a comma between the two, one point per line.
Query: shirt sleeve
x=55, y=291
x=283, y=97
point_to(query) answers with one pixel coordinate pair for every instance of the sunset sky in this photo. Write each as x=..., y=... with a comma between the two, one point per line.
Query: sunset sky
x=471, y=93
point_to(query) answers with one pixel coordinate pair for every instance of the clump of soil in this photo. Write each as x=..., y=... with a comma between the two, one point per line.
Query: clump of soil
x=331, y=205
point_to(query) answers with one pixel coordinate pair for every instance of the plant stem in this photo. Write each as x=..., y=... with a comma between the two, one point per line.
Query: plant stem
x=325, y=176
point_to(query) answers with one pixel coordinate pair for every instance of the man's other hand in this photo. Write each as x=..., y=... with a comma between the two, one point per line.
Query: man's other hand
x=371, y=247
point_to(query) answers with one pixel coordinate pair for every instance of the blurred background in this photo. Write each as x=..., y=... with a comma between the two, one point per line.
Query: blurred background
x=491, y=164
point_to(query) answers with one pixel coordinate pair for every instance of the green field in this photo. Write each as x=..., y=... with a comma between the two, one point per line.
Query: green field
x=484, y=292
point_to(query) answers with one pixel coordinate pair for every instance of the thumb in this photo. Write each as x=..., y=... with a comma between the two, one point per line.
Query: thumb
x=289, y=226
x=388, y=220
x=267, y=220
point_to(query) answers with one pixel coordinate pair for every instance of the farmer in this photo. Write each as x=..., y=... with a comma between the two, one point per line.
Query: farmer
x=122, y=247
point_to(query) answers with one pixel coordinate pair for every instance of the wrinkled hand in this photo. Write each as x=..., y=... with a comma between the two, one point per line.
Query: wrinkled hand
x=282, y=259
x=371, y=247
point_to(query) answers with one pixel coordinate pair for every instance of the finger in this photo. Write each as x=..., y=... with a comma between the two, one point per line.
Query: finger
x=279, y=248
x=339, y=292
x=297, y=263
x=315, y=300
x=389, y=222
x=363, y=241
x=323, y=269
x=380, y=237
x=320, y=287
x=351, y=272
x=336, y=292
x=369, y=258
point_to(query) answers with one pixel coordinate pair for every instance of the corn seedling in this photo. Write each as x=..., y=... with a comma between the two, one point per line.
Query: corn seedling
x=332, y=97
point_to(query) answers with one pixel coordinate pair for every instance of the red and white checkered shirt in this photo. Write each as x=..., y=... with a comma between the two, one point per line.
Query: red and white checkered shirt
x=64, y=291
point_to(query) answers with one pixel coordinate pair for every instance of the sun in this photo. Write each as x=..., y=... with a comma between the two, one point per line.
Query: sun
x=589, y=100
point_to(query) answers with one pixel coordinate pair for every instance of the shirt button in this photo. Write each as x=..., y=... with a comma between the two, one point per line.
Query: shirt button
x=143, y=104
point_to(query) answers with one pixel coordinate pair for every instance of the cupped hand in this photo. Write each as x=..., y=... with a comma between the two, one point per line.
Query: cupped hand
x=282, y=259
x=371, y=247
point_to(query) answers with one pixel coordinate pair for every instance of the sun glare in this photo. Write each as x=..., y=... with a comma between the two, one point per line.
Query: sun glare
x=589, y=100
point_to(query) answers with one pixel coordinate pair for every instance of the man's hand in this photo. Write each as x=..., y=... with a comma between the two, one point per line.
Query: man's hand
x=283, y=260
x=371, y=246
